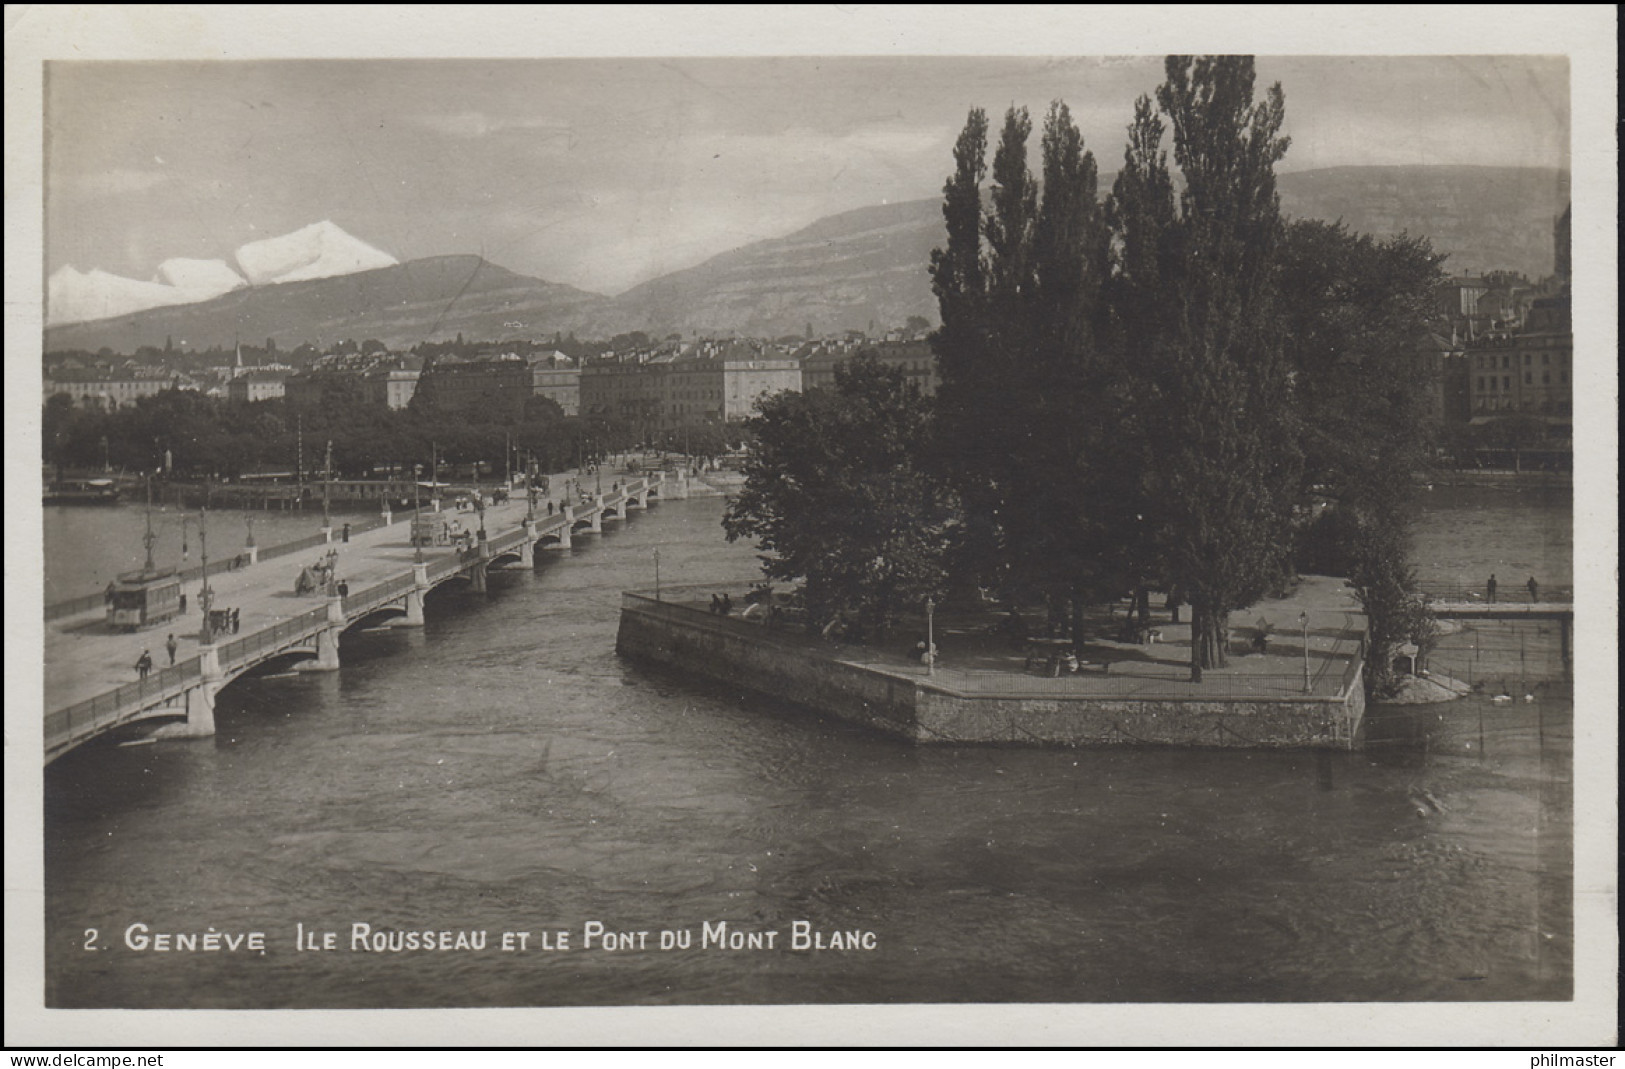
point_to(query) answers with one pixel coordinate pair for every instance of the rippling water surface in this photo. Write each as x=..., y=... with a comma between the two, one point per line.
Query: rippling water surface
x=503, y=770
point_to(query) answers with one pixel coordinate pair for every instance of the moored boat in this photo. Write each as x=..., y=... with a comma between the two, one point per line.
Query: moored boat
x=82, y=492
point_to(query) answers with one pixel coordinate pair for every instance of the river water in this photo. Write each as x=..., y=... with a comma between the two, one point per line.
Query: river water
x=502, y=770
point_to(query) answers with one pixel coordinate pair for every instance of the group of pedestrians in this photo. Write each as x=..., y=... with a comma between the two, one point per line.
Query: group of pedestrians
x=1532, y=586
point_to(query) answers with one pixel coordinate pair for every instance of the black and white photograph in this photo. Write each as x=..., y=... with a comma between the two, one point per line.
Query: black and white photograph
x=982, y=524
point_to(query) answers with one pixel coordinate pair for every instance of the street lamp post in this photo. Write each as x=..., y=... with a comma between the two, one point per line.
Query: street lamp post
x=657, y=574
x=327, y=483
x=930, y=638
x=434, y=474
x=1303, y=622
x=205, y=597
x=149, y=538
x=417, y=514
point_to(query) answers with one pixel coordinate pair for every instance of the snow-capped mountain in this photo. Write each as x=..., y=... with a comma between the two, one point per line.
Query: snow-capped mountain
x=199, y=279
x=73, y=296
x=320, y=250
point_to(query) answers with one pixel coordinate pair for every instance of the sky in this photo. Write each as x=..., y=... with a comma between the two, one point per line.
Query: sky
x=603, y=173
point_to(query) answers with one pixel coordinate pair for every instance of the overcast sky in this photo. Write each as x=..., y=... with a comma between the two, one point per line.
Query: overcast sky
x=604, y=173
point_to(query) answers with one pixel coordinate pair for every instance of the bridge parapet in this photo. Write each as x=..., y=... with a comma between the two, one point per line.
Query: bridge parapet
x=71, y=725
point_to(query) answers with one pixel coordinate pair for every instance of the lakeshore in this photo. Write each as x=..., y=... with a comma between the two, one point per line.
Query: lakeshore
x=1300, y=688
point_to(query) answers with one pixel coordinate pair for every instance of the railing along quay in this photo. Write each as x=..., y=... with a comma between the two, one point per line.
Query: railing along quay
x=1336, y=671
x=1511, y=592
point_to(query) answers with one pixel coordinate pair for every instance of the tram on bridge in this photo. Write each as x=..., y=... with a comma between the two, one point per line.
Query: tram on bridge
x=142, y=599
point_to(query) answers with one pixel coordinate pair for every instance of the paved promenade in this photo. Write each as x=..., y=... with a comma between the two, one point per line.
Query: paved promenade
x=85, y=657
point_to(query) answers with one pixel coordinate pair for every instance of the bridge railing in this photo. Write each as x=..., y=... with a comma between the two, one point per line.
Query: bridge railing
x=378, y=593
x=87, y=717
x=75, y=606
x=308, y=542
x=246, y=648
x=1508, y=593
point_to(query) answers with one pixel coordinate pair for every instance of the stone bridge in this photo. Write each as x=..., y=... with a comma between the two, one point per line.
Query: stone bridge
x=385, y=581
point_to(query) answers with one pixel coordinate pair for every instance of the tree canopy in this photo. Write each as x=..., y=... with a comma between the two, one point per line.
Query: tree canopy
x=835, y=495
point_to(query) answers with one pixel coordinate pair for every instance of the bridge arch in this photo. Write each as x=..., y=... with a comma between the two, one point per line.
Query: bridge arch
x=376, y=616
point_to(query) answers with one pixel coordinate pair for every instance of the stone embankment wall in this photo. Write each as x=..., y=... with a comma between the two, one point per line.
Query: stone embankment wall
x=922, y=710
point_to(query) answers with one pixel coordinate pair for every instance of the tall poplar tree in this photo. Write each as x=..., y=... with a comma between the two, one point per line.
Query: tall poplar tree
x=1199, y=311
x=1013, y=351
x=959, y=281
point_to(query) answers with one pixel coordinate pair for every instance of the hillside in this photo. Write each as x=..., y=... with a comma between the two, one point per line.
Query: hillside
x=428, y=299
x=1484, y=217
x=847, y=270
x=843, y=272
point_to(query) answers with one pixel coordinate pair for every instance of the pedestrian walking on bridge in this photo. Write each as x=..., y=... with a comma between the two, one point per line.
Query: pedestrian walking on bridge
x=171, y=646
x=1490, y=587
x=143, y=664
x=1534, y=590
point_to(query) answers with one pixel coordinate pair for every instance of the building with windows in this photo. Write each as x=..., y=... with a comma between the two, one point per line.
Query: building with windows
x=496, y=385
x=913, y=358
x=392, y=386
x=716, y=391
x=557, y=378
x=258, y=384
x=105, y=389
x=710, y=385
x=1526, y=371
x=624, y=390
x=1446, y=378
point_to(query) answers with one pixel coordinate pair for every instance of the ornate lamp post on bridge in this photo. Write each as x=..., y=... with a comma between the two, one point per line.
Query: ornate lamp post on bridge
x=417, y=514
x=327, y=484
x=434, y=474
x=530, y=492
x=657, y=573
x=149, y=538
x=205, y=596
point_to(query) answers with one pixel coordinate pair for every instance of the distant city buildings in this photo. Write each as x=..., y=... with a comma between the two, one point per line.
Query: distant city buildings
x=1510, y=346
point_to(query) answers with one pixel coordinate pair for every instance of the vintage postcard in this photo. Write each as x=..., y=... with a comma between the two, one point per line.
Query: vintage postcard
x=683, y=525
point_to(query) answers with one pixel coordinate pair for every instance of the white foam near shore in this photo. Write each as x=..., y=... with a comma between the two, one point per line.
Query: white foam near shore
x=1427, y=689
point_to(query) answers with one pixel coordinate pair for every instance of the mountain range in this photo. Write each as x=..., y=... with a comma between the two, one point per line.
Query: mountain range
x=320, y=250
x=854, y=270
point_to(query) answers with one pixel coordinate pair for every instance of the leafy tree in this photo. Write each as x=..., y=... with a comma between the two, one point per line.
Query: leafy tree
x=834, y=494
x=1352, y=308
